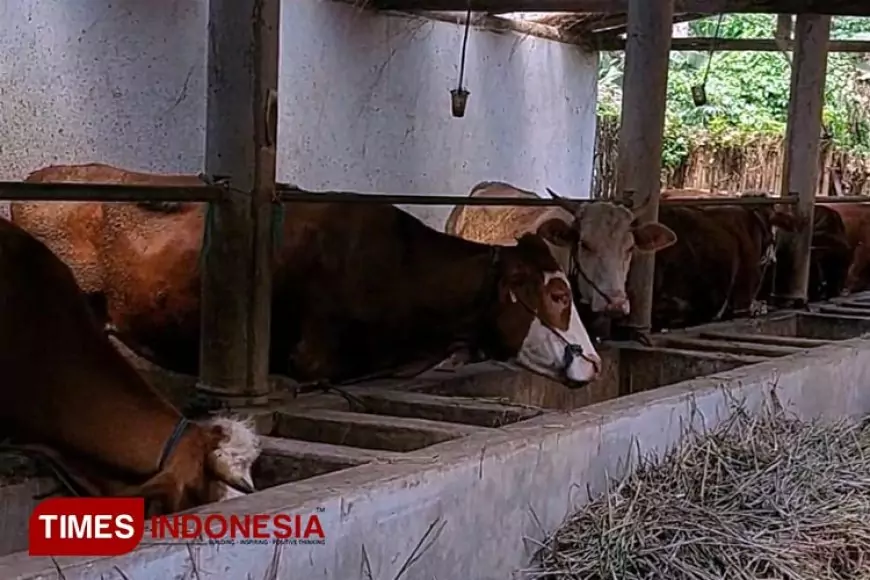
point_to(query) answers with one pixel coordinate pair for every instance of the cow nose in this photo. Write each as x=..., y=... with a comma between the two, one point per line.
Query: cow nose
x=618, y=307
x=573, y=351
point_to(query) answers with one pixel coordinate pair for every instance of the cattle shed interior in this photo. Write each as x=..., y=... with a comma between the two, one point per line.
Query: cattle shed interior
x=479, y=447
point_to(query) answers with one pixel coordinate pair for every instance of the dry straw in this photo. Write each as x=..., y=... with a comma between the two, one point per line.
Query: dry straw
x=763, y=496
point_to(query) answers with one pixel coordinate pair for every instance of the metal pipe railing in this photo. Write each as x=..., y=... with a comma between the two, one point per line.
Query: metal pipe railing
x=28, y=191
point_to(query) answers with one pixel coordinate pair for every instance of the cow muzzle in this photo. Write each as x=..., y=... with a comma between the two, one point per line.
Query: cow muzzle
x=572, y=353
x=617, y=307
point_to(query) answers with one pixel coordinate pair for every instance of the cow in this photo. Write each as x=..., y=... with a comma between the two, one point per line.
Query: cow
x=716, y=268
x=594, y=242
x=71, y=398
x=357, y=290
x=693, y=193
x=830, y=257
x=856, y=222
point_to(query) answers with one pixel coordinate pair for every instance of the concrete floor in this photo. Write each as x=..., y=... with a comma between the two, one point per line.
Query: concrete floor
x=464, y=488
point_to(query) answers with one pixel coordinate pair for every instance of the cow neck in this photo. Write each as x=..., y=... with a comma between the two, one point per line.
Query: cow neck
x=764, y=230
x=483, y=337
x=172, y=442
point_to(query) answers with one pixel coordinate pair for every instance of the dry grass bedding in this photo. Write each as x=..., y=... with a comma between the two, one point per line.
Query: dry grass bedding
x=759, y=497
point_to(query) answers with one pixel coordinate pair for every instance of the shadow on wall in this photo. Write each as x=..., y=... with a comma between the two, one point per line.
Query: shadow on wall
x=365, y=101
x=374, y=113
x=121, y=83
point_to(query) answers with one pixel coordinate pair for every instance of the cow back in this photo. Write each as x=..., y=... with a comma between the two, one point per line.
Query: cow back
x=695, y=276
x=500, y=224
x=64, y=384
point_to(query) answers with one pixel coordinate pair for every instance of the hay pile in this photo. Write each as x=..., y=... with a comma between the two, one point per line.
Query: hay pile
x=764, y=497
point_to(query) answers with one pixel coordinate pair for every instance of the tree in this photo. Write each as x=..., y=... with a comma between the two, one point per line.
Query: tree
x=748, y=92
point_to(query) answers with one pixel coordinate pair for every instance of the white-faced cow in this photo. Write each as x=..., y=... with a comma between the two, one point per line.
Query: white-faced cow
x=357, y=290
x=593, y=242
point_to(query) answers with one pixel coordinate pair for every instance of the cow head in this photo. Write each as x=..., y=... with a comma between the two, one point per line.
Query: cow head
x=772, y=222
x=536, y=318
x=211, y=463
x=830, y=257
x=601, y=240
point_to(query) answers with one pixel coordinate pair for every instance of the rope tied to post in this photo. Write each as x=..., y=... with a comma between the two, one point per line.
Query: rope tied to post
x=276, y=221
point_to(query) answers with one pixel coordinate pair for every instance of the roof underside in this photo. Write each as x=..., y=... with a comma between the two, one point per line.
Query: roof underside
x=589, y=23
x=604, y=10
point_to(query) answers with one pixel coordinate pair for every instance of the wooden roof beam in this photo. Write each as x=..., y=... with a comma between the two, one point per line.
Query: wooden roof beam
x=610, y=32
x=831, y=7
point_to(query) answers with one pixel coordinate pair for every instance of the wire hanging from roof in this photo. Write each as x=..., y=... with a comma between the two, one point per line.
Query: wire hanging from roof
x=459, y=95
x=699, y=92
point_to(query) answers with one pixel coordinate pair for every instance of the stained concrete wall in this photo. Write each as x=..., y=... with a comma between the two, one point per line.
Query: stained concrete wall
x=364, y=97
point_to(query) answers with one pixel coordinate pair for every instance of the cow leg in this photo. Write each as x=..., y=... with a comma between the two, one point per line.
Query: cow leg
x=856, y=271
x=632, y=334
x=641, y=336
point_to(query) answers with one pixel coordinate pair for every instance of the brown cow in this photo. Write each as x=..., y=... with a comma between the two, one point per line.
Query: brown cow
x=703, y=193
x=856, y=220
x=717, y=266
x=358, y=290
x=592, y=241
x=68, y=395
x=830, y=256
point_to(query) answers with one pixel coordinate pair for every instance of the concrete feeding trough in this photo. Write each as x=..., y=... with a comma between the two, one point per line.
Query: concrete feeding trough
x=485, y=455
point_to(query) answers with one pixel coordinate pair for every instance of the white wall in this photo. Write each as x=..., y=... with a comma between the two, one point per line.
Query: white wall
x=364, y=103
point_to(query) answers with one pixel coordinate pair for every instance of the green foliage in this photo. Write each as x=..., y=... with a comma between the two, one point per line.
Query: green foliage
x=748, y=92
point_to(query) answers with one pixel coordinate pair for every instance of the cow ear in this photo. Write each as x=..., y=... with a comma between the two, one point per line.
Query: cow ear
x=784, y=221
x=653, y=237
x=558, y=232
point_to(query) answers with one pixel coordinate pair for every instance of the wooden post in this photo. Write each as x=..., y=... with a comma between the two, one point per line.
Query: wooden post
x=802, y=142
x=784, y=24
x=240, y=145
x=641, y=133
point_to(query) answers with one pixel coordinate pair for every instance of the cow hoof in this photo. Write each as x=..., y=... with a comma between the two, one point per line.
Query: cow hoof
x=642, y=337
x=451, y=363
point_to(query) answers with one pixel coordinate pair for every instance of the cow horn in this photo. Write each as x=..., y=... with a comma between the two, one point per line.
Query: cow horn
x=563, y=202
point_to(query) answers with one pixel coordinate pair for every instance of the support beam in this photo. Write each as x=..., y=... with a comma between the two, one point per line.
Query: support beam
x=832, y=7
x=641, y=133
x=802, y=142
x=240, y=145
